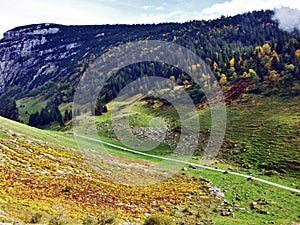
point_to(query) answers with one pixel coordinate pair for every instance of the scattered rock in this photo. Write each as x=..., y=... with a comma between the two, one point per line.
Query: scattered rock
x=225, y=202
x=250, y=178
x=195, y=158
x=184, y=169
x=230, y=168
x=218, y=209
x=242, y=209
x=217, y=191
x=226, y=213
x=193, y=167
x=263, y=211
x=60, y=172
x=253, y=204
x=246, y=166
x=238, y=197
x=264, y=203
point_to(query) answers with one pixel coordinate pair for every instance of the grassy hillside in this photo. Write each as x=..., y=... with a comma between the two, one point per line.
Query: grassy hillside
x=262, y=133
x=51, y=177
x=63, y=184
x=261, y=140
x=266, y=130
x=29, y=106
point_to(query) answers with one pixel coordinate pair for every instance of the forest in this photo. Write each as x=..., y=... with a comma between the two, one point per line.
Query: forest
x=235, y=48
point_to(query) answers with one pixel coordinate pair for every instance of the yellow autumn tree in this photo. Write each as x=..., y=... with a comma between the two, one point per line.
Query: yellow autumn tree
x=215, y=65
x=258, y=51
x=223, y=79
x=253, y=74
x=231, y=62
x=194, y=68
x=246, y=75
x=266, y=49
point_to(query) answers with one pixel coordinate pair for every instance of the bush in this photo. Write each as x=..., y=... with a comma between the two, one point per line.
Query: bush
x=107, y=218
x=158, y=220
x=89, y=220
x=56, y=220
x=36, y=218
x=271, y=173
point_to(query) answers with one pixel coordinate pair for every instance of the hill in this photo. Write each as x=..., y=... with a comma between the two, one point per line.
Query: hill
x=45, y=176
x=60, y=183
x=53, y=174
x=44, y=62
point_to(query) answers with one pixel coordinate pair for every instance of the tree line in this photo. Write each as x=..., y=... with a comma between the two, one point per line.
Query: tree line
x=48, y=115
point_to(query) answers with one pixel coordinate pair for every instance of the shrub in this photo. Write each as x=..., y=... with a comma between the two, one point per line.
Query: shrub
x=107, y=218
x=56, y=220
x=36, y=218
x=88, y=220
x=158, y=220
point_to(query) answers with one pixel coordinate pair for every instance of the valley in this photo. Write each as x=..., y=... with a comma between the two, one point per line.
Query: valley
x=65, y=164
x=133, y=157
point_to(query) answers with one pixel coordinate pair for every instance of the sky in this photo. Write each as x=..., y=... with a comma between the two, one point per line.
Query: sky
x=15, y=13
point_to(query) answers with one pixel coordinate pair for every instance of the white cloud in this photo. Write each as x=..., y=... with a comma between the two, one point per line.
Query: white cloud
x=288, y=18
x=228, y=8
x=153, y=7
x=16, y=13
x=77, y=12
x=233, y=7
x=175, y=16
x=159, y=8
x=148, y=7
x=154, y=18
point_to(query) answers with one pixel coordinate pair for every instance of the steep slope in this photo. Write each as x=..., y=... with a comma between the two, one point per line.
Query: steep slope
x=42, y=173
x=46, y=61
x=35, y=54
x=38, y=176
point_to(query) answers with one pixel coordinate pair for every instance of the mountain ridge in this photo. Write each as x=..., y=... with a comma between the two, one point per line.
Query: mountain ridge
x=47, y=61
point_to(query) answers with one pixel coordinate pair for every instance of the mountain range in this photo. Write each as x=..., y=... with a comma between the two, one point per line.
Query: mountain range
x=52, y=175
x=47, y=61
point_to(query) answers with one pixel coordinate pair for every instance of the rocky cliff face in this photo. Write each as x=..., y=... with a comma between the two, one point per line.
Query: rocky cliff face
x=31, y=55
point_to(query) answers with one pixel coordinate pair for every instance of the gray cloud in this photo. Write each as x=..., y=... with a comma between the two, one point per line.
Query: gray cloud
x=288, y=18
